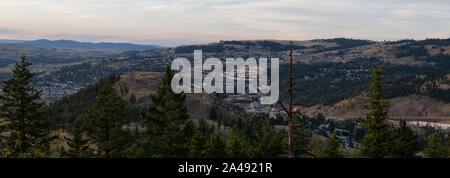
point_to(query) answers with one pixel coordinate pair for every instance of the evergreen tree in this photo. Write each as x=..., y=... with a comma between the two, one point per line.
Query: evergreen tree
x=204, y=128
x=189, y=129
x=269, y=143
x=136, y=130
x=215, y=147
x=235, y=144
x=331, y=126
x=164, y=120
x=132, y=99
x=332, y=148
x=105, y=121
x=22, y=112
x=435, y=147
x=78, y=146
x=302, y=139
x=198, y=145
x=213, y=113
x=405, y=143
x=378, y=143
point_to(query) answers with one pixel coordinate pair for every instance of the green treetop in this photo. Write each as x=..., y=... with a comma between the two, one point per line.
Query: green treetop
x=405, y=142
x=21, y=110
x=105, y=121
x=332, y=148
x=198, y=145
x=78, y=146
x=269, y=144
x=378, y=143
x=165, y=119
x=235, y=144
x=215, y=147
x=436, y=147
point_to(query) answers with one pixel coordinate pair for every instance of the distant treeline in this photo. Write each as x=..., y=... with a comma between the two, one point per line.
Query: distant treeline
x=224, y=46
x=342, y=43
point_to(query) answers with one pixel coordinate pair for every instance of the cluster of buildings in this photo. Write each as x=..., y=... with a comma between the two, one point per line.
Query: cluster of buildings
x=52, y=91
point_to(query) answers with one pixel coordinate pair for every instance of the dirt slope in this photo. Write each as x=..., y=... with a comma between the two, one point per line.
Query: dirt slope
x=409, y=106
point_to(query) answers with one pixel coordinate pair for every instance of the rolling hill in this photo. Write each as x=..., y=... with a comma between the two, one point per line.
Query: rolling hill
x=12, y=52
x=71, y=44
x=144, y=84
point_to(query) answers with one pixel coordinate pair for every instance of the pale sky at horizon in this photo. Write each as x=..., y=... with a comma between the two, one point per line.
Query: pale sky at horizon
x=171, y=23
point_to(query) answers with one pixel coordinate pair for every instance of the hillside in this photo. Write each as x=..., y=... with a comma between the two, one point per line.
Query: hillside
x=71, y=44
x=42, y=52
x=11, y=53
x=269, y=48
x=411, y=107
x=143, y=84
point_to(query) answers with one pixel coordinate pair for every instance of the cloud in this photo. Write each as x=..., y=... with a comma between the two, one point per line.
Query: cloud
x=4, y=31
x=81, y=37
x=192, y=21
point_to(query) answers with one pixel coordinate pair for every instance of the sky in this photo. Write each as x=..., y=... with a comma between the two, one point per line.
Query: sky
x=179, y=22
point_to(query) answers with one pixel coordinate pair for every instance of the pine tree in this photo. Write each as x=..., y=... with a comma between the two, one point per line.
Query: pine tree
x=136, y=130
x=78, y=146
x=332, y=148
x=405, y=143
x=302, y=140
x=22, y=112
x=189, y=129
x=436, y=147
x=105, y=121
x=235, y=144
x=164, y=120
x=269, y=143
x=215, y=147
x=198, y=145
x=378, y=143
x=213, y=113
x=132, y=99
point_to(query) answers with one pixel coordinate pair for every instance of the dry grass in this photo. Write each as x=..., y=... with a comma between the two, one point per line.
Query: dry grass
x=413, y=107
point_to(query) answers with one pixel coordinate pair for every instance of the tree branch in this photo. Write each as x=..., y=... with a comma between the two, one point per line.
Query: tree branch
x=284, y=108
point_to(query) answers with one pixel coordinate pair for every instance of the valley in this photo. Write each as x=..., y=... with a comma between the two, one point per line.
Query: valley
x=327, y=72
x=331, y=76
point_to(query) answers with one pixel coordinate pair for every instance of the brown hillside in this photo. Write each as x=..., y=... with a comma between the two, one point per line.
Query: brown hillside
x=410, y=106
x=143, y=84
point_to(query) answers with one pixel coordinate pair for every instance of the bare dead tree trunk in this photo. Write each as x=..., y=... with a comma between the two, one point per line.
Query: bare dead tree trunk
x=291, y=119
x=291, y=115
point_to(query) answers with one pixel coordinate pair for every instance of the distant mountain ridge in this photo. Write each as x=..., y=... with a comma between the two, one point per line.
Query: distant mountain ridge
x=71, y=44
x=11, y=41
